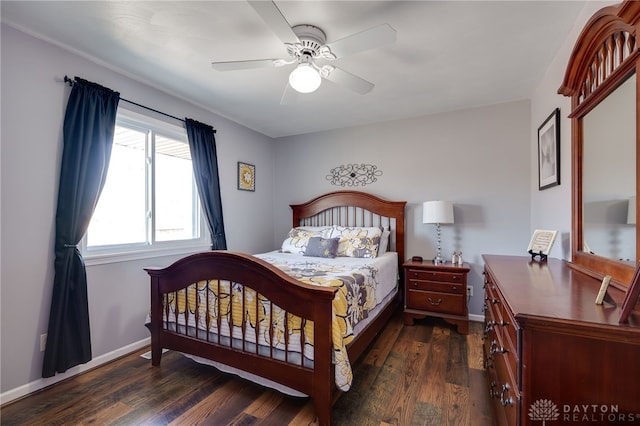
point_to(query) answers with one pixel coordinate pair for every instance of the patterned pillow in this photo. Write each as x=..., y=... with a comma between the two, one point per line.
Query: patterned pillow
x=357, y=241
x=299, y=238
x=322, y=247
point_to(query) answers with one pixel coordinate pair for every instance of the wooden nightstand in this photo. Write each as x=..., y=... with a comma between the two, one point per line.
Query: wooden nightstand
x=436, y=290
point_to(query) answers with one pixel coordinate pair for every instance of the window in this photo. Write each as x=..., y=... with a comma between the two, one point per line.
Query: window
x=149, y=203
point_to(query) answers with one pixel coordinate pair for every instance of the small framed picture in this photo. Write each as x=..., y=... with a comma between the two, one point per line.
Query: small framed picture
x=631, y=298
x=549, y=151
x=542, y=241
x=246, y=176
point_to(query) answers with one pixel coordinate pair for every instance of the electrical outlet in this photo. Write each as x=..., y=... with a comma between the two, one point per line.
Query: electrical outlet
x=470, y=291
x=43, y=342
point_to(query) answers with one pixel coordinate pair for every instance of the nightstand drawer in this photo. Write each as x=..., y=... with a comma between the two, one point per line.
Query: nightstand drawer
x=435, y=301
x=440, y=286
x=448, y=277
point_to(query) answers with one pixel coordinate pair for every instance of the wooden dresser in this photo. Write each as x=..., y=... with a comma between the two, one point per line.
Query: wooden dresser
x=551, y=353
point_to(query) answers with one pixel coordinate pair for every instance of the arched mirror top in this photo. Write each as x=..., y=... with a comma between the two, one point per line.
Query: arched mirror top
x=604, y=57
x=605, y=49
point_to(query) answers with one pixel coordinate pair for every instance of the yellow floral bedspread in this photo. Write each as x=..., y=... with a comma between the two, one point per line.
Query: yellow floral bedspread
x=233, y=310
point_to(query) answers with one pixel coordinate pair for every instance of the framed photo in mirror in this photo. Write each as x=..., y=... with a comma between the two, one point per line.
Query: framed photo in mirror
x=631, y=298
x=549, y=151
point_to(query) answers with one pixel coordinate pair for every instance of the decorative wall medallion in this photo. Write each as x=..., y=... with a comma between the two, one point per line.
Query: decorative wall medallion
x=354, y=175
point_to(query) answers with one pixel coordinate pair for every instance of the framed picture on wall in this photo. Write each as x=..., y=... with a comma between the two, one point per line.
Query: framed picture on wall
x=549, y=151
x=246, y=176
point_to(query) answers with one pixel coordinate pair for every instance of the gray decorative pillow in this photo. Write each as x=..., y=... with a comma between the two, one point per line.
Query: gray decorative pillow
x=322, y=247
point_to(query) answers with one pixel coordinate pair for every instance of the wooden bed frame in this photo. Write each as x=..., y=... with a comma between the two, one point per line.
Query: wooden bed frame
x=312, y=303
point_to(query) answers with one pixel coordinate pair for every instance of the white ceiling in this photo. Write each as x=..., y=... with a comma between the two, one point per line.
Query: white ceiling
x=448, y=55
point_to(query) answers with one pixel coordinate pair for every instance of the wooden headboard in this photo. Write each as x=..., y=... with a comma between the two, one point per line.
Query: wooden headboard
x=354, y=208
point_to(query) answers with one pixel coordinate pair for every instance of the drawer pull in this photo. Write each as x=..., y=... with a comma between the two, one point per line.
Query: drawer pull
x=497, y=350
x=507, y=401
x=492, y=393
x=454, y=278
x=494, y=349
x=439, y=301
x=489, y=364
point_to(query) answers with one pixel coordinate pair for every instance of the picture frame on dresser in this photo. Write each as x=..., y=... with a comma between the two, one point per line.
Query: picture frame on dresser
x=549, y=151
x=541, y=242
x=631, y=298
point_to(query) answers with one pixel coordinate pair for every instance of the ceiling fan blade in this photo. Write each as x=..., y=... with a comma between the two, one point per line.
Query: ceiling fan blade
x=289, y=96
x=364, y=40
x=275, y=20
x=244, y=65
x=350, y=81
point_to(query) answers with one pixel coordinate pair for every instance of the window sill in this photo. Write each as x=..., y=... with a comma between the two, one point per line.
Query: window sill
x=105, y=258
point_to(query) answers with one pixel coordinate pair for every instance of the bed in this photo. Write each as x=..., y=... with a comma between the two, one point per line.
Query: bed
x=273, y=317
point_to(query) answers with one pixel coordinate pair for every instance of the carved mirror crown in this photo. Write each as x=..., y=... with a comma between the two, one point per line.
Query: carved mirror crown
x=604, y=58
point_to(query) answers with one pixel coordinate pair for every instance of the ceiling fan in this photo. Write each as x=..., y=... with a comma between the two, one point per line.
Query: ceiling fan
x=305, y=45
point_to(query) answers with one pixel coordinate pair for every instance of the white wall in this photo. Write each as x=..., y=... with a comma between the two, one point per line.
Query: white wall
x=476, y=158
x=551, y=208
x=33, y=102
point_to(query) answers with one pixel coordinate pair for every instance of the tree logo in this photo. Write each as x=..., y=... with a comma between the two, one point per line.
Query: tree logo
x=543, y=410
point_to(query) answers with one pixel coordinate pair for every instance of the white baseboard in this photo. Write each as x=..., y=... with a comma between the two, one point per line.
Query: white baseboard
x=475, y=317
x=36, y=385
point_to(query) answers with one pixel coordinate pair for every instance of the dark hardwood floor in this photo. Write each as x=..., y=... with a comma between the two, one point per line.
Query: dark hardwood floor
x=427, y=374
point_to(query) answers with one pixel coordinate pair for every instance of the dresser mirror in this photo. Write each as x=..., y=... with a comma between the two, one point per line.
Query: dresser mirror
x=608, y=175
x=601, y=79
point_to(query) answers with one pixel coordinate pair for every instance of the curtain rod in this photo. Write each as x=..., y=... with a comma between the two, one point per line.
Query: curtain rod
x=71, y=83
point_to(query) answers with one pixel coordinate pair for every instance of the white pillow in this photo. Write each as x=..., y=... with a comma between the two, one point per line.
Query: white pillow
x=299, y=238
x=384, y=241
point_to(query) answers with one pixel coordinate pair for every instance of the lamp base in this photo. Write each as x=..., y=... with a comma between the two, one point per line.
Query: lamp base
x=438, y=260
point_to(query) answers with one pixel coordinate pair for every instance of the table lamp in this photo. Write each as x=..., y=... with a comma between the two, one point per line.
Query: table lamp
x=437, y=212
x=631, y=211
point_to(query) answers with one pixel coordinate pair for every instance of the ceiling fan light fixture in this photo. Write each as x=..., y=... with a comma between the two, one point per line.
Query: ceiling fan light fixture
x=304, y=78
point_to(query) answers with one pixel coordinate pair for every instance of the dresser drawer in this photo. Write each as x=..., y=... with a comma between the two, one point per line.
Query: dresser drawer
x=448, y=277
x=505, y=395
x=509, y=328
x=498, y=347
x=435, y=301
x=439, y=286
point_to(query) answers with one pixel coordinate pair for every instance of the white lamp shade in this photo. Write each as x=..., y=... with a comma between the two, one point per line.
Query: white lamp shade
x=304, y=78
x=437, y=212
x=631, y=211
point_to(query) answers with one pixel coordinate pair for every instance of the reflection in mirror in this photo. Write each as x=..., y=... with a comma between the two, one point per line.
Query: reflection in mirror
x=609, y=175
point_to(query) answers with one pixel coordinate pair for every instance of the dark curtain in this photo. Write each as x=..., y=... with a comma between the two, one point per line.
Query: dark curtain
x=89, y=125
x=202, y=143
